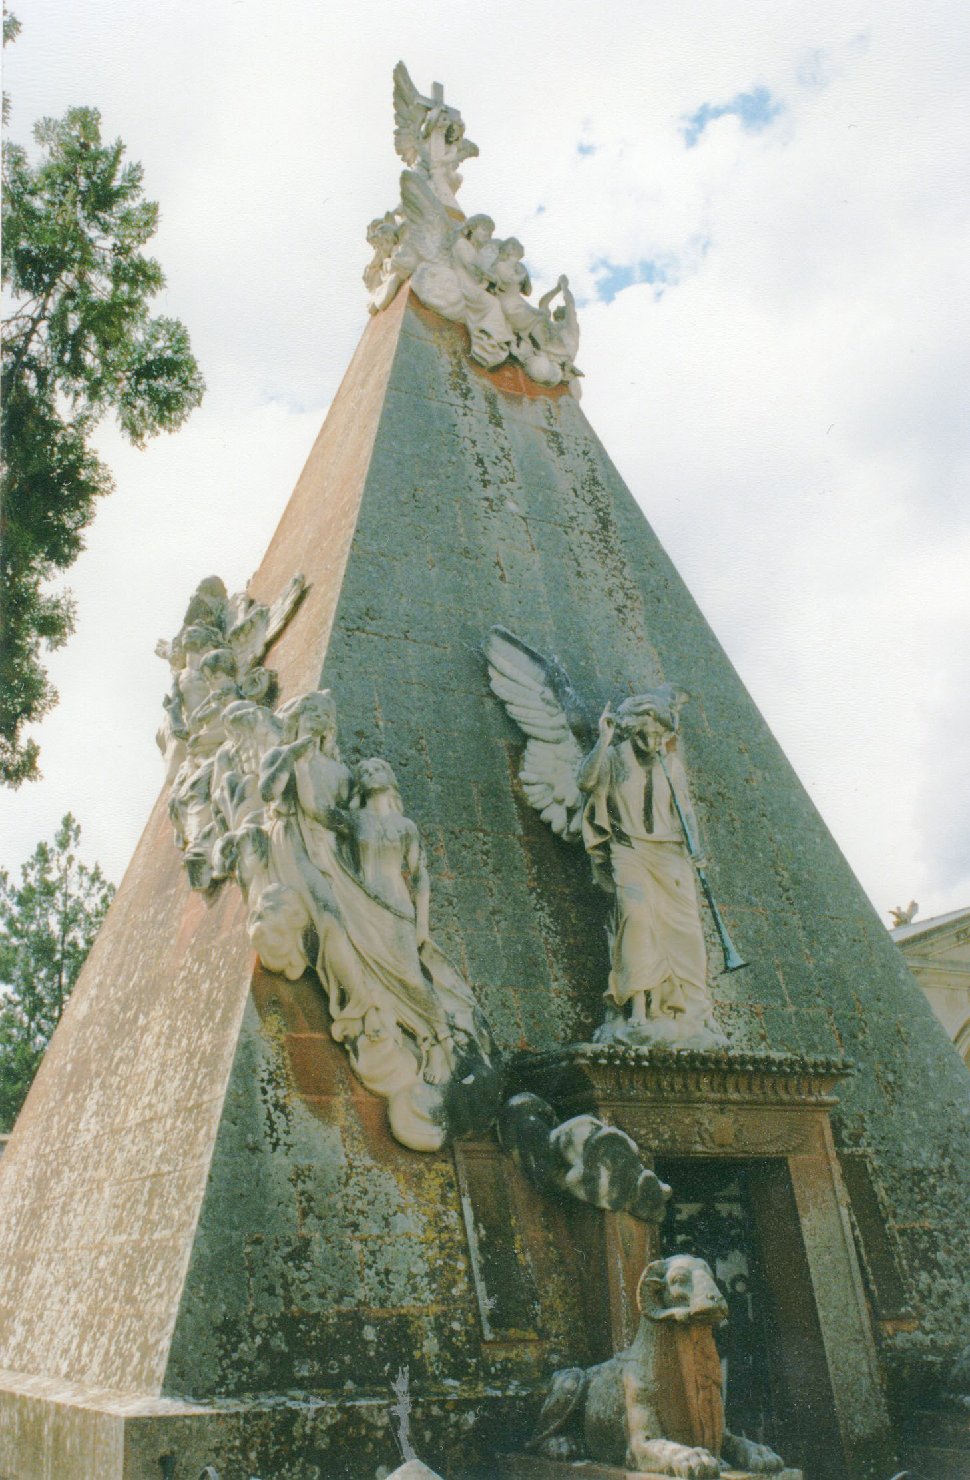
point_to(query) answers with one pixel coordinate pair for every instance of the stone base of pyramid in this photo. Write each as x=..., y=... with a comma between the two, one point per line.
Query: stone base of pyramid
x=53, y=1429
x=532, y=1467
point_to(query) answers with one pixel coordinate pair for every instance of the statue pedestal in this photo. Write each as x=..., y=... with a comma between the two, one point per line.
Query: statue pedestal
x=769, y=1114
x=532, y=1467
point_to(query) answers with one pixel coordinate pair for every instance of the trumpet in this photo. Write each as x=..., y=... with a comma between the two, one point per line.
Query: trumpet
x=733, y=960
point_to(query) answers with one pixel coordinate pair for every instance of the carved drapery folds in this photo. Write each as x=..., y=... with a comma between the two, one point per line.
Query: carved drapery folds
x=455, y=264
x=619, y=787
x=333, y=872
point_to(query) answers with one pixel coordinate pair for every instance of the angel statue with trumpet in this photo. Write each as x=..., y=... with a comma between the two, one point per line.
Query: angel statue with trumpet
x=625, y=797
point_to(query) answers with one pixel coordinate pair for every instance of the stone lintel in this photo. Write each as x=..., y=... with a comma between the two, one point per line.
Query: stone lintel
x=585, y=1075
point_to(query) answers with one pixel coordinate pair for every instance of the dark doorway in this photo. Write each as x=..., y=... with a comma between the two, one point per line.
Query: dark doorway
x=710, y=1215
x=742, y=1218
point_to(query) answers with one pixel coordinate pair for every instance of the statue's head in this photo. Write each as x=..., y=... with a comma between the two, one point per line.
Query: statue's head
x=682, y=1289
x=218, y=665
x=245, y=721
x=200, y=638
x=314, y=714
x=376, y=775
x=651, y=718
x=511, y=247
x=212, y=590
x=478, y=229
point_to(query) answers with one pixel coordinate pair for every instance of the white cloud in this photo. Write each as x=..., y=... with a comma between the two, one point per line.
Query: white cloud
x=790, y=411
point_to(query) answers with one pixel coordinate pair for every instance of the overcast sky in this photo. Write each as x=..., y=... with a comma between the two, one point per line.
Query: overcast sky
x=763, y=209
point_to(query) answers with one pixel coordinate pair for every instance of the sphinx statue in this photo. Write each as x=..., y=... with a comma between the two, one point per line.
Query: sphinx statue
x=657, y=1405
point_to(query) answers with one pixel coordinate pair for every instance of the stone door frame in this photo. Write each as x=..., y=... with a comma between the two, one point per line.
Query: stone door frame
x=771, y=1112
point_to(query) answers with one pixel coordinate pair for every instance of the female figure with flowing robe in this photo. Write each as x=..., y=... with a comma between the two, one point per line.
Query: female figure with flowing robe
x=631, y=830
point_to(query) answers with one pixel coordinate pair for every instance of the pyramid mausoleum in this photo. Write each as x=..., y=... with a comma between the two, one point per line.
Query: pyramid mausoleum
x=353, y=1132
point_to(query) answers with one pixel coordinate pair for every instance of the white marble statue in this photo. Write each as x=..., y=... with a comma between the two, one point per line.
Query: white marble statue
x=429, y=135
x=625, y=796
x=457, y=266
x=340, y=844
x=215, y=658
x=334, y=876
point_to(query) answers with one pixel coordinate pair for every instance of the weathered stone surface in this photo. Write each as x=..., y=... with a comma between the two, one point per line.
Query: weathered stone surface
x=533, y=1467
x=201, y=1203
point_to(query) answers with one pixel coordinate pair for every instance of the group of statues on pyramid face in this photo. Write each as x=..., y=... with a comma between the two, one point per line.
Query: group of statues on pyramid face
x=456, y=265
x=333, y=872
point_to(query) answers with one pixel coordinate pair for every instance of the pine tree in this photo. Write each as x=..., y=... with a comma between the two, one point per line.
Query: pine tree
x=79, y=342
x=48, y=923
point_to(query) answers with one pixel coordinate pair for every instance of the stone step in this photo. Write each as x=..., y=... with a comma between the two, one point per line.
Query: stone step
x=534, y=1467
x=936, y=1444
x=946, y=1426
x=931, y=1462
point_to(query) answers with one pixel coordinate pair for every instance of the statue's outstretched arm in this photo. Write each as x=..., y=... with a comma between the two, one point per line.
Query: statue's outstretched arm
x=277, y=764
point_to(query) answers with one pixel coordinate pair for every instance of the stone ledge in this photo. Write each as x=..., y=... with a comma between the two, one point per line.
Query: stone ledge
x=601, y=1072
x=532, y=1467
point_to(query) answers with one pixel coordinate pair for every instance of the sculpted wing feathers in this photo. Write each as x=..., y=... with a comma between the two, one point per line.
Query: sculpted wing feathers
x=282, y=609
x=429, y=236
x=258, y=626
x=410, y=111
x=538, y=695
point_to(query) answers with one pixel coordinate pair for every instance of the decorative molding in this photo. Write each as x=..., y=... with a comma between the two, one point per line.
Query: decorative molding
x=589, y=1075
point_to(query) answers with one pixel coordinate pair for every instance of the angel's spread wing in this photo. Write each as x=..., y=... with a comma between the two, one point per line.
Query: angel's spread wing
x=537, y=694
x=257, y=628
x=429, y=227
x=410, y=111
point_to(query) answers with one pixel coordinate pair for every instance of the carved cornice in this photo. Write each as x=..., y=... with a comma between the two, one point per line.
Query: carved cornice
x=586, y=1075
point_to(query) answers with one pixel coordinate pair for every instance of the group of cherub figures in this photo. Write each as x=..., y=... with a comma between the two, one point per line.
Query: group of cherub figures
x=455, y=264
x=333, y=873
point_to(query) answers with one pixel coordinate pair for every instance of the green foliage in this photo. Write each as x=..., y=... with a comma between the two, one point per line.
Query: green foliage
x=78, y=343
x=47, y=927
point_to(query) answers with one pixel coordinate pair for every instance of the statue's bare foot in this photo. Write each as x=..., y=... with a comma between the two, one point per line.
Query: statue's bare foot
x=436, y=1066
x=668, y=1458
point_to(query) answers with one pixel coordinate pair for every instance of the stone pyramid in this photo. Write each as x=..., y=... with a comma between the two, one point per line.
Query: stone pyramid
x=212, y=1249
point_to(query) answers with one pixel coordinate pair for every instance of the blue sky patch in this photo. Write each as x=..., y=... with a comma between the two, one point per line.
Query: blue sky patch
x=755, y=109
x=584, y=148
x=613, y=277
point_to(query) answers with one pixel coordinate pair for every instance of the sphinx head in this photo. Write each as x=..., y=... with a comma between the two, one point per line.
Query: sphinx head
x=683, y=1289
